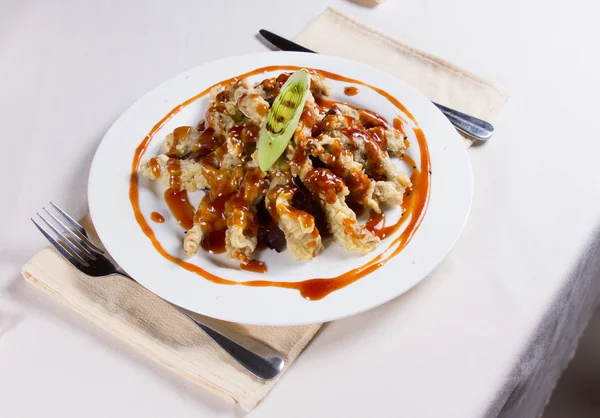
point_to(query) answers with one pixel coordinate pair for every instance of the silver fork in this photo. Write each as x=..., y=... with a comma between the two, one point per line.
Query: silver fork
x=73, y=242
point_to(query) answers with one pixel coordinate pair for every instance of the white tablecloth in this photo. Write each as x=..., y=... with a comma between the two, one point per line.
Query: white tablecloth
x=489, y=330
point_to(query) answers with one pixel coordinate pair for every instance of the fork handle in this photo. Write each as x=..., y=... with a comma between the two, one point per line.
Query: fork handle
x=258, y=358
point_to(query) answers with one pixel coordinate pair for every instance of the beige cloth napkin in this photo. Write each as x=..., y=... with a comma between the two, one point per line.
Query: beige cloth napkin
x=135, y=315
x=334, y=33
x=132, y=313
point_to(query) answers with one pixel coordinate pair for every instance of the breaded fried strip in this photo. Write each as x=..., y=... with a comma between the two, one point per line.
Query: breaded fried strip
x=376, y=161
x=160, y=168
x=192, y=240
x=319, y=85
x=394, y=140
x=341, y=220
x=331, y=192
x=250, y=103
x=301, y=234
x=364, y=190
x=387, y=192
x=180, y=142
x=240, y=213
x=269, y=88
x=341, y=162
x=222, y=113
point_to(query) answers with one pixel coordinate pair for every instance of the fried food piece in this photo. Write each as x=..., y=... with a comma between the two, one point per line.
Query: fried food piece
x=209, y=217
x=303, y=239
x=181, y=141
x=376, y=161
x=239, y=140
x=341, y=220
x=341, y=116
x=319, y=85
x=192, y=240
x=396, y=144
x=240, y=214
x=338, y=155
x=341, y=162
x=331, y=191
x=222, y=113
x=347, y=110
x=250, y=103
x=175, y=173
x=269, y=88
x=387, y=192
x=363, y=190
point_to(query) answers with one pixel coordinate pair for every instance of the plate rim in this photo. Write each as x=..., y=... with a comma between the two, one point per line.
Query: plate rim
x=283, y=54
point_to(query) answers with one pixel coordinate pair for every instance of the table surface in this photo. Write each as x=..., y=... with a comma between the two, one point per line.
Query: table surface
x=446, y=348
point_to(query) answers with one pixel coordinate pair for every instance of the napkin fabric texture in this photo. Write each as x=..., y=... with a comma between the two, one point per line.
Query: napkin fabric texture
x=334, y=33
x=132, y=313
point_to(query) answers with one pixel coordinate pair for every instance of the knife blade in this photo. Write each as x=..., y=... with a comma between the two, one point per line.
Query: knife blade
x=282, y=43
x=470, y=125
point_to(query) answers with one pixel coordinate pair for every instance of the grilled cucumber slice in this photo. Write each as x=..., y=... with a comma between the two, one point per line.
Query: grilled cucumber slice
x=283, y=119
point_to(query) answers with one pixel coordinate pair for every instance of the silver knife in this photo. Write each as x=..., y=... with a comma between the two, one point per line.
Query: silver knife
x=470, y=125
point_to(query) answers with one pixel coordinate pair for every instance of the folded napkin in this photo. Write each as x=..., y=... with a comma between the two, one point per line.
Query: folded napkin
x=334, y=33
x=137, y=316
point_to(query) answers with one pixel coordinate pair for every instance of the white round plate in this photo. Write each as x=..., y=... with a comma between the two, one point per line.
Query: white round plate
x=450, y=200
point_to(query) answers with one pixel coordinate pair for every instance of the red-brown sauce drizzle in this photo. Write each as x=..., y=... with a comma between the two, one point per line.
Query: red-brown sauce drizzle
x=155, y=167
x=262, y=109
x=323, y=183
x=254, y=266
x=179, y=134
x=276, y=211
x=157, y=217
x=174, y=169
x=414, y=206
x=214, y=242
x=350, y=91
x=398, y=124
x=180, y=207
x=376, y=223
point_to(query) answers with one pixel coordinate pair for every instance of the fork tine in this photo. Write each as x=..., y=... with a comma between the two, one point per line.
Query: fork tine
x=89, y=251
x=74, y=249
x=66, y=254
x=78, y=228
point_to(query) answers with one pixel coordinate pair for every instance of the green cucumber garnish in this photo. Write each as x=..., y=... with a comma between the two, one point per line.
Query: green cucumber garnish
x=283, y=119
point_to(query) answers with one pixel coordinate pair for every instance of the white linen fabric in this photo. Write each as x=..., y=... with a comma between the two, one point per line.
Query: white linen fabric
x=489, y=330
x=133, y=314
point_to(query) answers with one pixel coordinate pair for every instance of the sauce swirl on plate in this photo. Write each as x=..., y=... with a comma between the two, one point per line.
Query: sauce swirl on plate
x=227, y=183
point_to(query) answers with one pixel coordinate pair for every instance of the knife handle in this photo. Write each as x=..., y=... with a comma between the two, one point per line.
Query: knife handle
x=470, y=125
